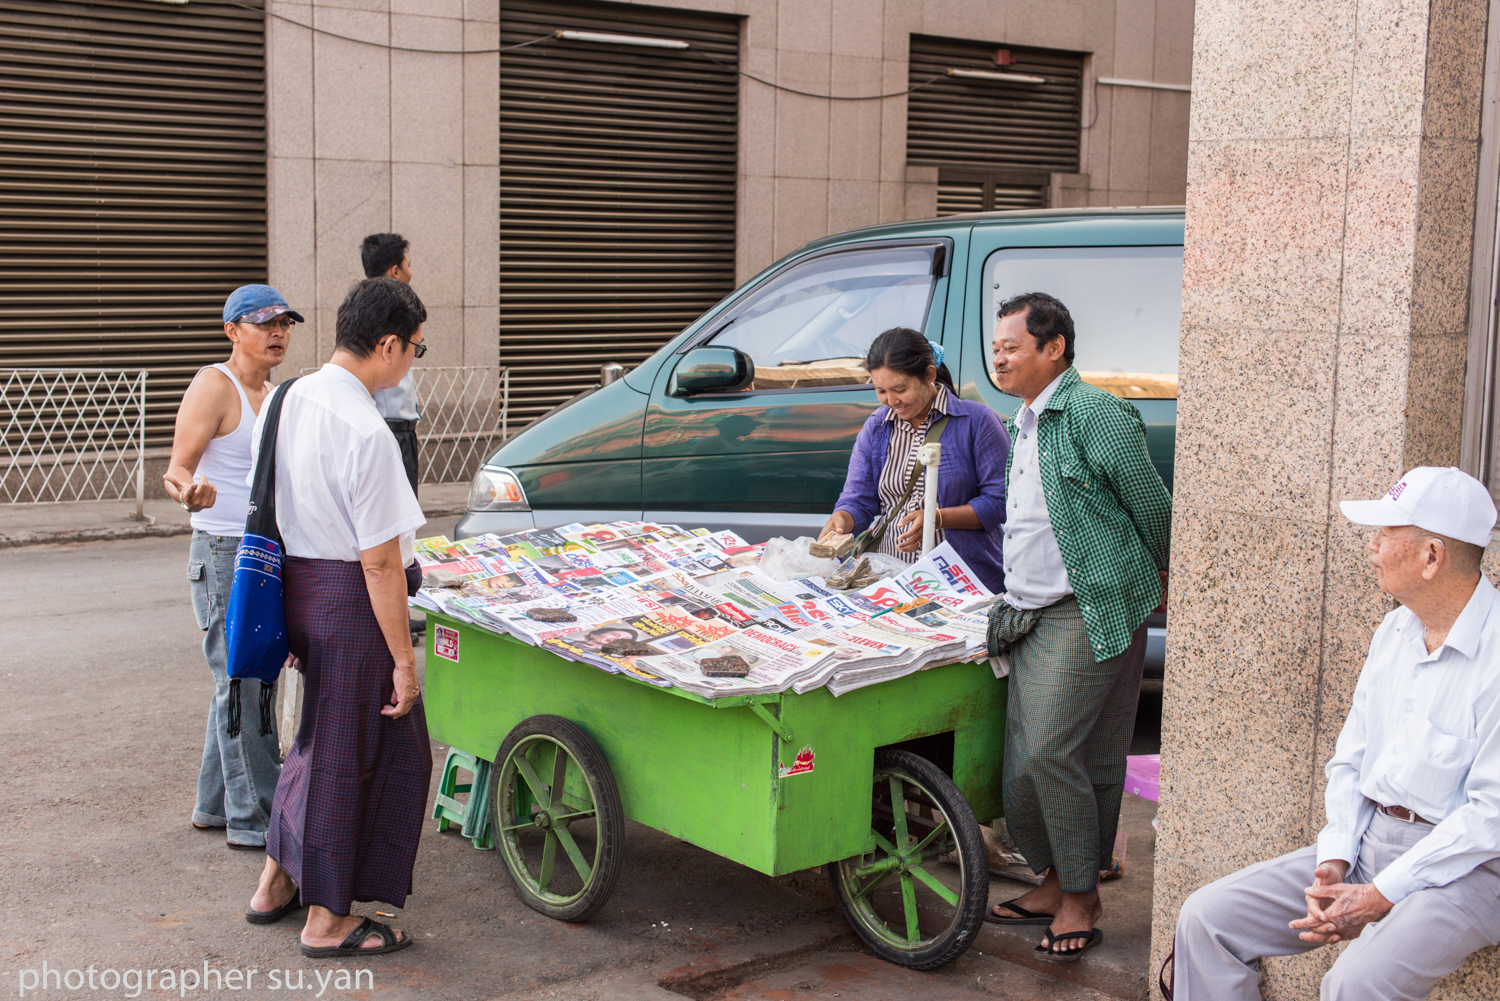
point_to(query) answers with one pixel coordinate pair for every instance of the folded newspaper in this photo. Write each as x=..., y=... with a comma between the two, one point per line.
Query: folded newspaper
x=690, y=609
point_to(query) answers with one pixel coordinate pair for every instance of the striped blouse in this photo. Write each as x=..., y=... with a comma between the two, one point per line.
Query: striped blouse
x=897, y=472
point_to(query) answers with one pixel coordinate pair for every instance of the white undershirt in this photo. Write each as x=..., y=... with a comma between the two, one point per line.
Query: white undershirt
x=1034, y=573
x=223, y=464
x=340, y=484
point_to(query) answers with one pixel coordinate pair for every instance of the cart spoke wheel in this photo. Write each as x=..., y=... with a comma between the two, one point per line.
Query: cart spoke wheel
x=580, y=865
x=539, y=792
x=935, y=886
x=560, y=837
x=871, y=884
x=909, y=905
x=922, y=845
x=929, y=914
x=898, y=796
x=549, y=859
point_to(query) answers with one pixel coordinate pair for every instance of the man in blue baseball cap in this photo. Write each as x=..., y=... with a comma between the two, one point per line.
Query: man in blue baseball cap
x=257, y=304
x=207, y=475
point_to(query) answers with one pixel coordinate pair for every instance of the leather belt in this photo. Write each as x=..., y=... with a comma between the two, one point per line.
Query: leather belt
x=1402, y=813
x=401, y=425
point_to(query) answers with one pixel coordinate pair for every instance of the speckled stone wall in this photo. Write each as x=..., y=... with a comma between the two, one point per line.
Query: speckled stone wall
x=1331, y=180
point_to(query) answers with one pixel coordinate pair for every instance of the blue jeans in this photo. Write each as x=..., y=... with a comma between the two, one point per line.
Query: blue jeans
x=239, y=773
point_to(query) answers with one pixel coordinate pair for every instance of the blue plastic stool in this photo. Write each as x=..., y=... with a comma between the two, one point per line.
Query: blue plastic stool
x=473, y=816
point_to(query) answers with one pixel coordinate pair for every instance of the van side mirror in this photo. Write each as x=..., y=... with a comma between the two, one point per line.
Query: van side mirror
x=711, y=370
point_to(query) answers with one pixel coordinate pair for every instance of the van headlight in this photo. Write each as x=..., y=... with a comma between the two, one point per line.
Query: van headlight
x=496, y=489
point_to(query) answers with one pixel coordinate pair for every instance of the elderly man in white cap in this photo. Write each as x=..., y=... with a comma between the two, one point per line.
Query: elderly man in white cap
x=1408, y=869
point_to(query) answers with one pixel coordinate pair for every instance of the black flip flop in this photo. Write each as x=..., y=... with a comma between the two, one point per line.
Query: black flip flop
x=276, y=913
x=1026, y=918
x=245, y=848
x=1046, y=954
x=352, y=944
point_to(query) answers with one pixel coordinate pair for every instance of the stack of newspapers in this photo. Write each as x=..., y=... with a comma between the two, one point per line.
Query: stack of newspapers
x=690, y=608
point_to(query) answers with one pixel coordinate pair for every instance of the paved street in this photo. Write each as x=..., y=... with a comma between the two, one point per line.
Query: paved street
x=101, y=732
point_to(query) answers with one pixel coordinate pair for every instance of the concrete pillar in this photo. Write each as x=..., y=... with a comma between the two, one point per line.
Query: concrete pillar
x=1332, y=170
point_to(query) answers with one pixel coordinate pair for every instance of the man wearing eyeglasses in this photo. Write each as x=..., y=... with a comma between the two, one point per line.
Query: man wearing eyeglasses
x=207, y=475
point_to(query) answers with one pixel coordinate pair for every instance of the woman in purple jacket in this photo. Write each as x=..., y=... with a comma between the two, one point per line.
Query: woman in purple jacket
x=914, y=385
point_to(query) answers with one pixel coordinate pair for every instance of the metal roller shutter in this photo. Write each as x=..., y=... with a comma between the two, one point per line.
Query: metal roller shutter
x=995, y=143
x=132, y=185
x=985, y=191
x=617, y=190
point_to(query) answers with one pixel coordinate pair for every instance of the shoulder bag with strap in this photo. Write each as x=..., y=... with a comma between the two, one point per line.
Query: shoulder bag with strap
x=869, y=539
x=255, y=619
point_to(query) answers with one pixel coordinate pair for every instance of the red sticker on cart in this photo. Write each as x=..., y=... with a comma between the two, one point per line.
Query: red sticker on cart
x=802, y=764
x=445, y=643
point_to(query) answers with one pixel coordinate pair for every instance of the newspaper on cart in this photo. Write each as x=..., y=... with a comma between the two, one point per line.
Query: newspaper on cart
x=690, y=609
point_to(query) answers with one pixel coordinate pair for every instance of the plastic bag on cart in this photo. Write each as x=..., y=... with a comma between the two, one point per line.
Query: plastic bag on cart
x=786, y=559
x=885, y=565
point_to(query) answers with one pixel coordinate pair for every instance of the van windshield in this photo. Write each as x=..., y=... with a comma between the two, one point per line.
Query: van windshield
x=812, y=324
x=1126, y=304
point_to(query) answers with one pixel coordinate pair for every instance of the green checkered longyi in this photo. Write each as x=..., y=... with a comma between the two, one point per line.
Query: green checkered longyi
x=1067, y=728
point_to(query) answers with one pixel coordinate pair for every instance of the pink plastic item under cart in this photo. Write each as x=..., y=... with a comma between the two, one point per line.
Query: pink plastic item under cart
x=1143, y=775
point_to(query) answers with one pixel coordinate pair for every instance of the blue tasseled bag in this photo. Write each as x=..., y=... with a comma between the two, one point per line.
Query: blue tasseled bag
x=255, y=621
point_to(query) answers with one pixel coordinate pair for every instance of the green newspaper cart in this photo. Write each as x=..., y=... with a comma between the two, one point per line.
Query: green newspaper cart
x=882, y=785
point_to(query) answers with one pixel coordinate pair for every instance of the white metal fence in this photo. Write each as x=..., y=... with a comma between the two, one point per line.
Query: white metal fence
x=465, y=416
x=72, y=434
x=80, y=434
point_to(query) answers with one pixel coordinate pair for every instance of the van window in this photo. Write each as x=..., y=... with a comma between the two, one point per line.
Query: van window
x=812, y=324
x=1126, y=304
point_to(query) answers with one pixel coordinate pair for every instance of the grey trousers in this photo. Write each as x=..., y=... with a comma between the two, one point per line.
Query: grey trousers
x=1068, y=724
x=1226, y=927
x=237, y=776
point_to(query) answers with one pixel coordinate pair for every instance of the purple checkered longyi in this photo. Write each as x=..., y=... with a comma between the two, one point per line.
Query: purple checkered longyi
x=348, y=811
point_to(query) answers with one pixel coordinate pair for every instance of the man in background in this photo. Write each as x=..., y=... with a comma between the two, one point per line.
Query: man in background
x=387, y=255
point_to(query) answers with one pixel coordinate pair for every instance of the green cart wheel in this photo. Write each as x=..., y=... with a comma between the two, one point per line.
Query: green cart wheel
x=908, y=905
x=556, y=817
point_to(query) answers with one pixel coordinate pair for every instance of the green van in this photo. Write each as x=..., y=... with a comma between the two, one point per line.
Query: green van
x=746, y=419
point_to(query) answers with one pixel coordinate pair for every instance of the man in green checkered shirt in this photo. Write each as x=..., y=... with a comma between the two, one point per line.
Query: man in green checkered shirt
x=1087, y=522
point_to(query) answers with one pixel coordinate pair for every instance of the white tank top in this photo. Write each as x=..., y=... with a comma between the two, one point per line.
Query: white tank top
x=226, y=464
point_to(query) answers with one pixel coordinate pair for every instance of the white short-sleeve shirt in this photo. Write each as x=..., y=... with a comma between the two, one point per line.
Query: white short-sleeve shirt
x=340, y=483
